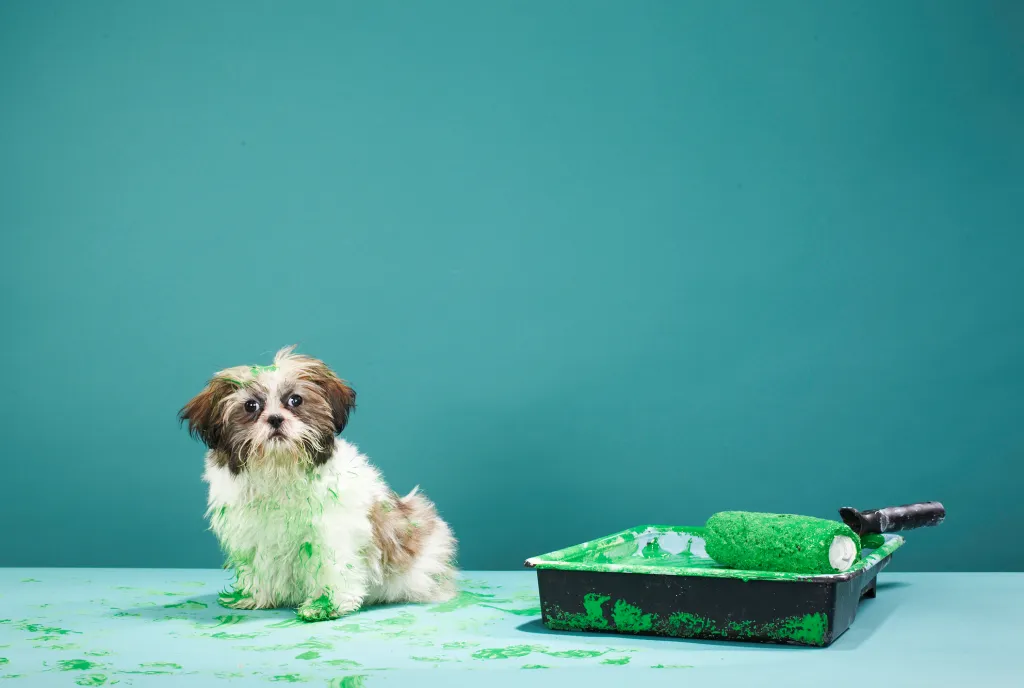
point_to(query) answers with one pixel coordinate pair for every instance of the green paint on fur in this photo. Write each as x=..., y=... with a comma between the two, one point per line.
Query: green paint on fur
x=320, y=609
x=75, y=665
x=232, y=598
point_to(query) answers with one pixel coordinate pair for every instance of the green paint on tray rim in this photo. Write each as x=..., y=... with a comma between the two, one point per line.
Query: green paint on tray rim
x=677, y=551
x=809, y=629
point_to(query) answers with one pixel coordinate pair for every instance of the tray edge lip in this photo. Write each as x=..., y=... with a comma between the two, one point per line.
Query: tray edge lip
x=883, y=553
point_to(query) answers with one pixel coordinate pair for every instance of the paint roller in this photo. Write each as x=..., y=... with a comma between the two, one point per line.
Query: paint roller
x=803, y=544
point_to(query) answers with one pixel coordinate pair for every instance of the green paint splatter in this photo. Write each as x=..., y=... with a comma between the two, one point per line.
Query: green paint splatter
x=534, y=666
x=459, y=646
x=809, y=629
x=532, y=611
x=221, y=635
x=91, y=680
x=161, y=665
x=618, y=662
x=98, y=653
x=309, y=654
x=355, y=681
x=4, y=660
x=187, y=604
x=506, y=652
x=631, y=619
x=671, y=666
x=47, y=630
x=75, y=665
x=31, y=580
x=574, y=654
x=462, y=600
x=287, y=623
x=344, y=663
x=288, y=678
x=227, y=620
x=403, y=619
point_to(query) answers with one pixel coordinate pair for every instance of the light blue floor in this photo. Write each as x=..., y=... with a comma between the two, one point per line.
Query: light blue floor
x=163, y=627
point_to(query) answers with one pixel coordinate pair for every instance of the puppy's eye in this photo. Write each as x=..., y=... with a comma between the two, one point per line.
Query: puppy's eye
x=294, y=400
x=252, y=406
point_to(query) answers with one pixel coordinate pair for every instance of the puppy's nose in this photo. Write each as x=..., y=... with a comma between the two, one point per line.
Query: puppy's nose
x=275, y=421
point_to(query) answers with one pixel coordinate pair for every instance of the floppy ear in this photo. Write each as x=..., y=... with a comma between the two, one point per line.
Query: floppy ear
x=339, y=395
x=203, y=414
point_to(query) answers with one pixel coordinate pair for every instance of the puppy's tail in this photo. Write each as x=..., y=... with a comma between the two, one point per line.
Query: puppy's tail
x=415, y=491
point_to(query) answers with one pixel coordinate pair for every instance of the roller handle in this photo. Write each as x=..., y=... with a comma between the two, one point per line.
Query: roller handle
x=893, y=518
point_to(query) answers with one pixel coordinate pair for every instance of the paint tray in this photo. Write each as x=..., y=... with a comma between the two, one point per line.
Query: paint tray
x=659, y=580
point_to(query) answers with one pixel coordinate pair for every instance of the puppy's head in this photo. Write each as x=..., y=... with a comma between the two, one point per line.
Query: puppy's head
x=286, y=412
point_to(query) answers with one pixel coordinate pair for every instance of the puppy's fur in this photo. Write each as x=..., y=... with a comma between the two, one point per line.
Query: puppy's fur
x=304, y=519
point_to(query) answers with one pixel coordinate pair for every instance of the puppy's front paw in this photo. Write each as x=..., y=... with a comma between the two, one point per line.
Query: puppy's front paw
x=320, y=609
x=236, y=599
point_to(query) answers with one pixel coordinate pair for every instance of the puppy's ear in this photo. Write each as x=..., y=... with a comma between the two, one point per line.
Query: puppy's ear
x=339, y=395
x=204, y=416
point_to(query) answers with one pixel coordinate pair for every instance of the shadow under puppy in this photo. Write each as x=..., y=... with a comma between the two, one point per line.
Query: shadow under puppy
x=304, y=519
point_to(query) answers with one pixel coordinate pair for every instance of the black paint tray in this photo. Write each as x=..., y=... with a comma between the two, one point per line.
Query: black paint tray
x=658, y=580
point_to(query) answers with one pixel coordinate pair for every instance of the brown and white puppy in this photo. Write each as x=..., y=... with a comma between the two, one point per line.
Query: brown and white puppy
x=305, y=520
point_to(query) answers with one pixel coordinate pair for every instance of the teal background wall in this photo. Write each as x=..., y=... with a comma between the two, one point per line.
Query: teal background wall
x=587, y=264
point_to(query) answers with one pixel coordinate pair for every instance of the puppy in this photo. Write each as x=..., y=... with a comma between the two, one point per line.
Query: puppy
x=304, y=520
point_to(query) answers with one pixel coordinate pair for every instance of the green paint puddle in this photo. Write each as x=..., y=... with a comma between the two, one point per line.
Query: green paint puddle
x=188, y=604
x=618, y=662
x=309, y=654
x=356, y=681
x=91, y=680
x=75, y=665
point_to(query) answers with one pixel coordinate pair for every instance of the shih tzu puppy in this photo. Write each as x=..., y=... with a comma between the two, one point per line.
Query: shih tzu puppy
x=304, y=519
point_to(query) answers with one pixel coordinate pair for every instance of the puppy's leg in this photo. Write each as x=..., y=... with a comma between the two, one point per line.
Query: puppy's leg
x=337, y=582
x=240, y=594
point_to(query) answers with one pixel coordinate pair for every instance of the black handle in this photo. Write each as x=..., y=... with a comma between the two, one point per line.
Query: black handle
x=893, y=518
